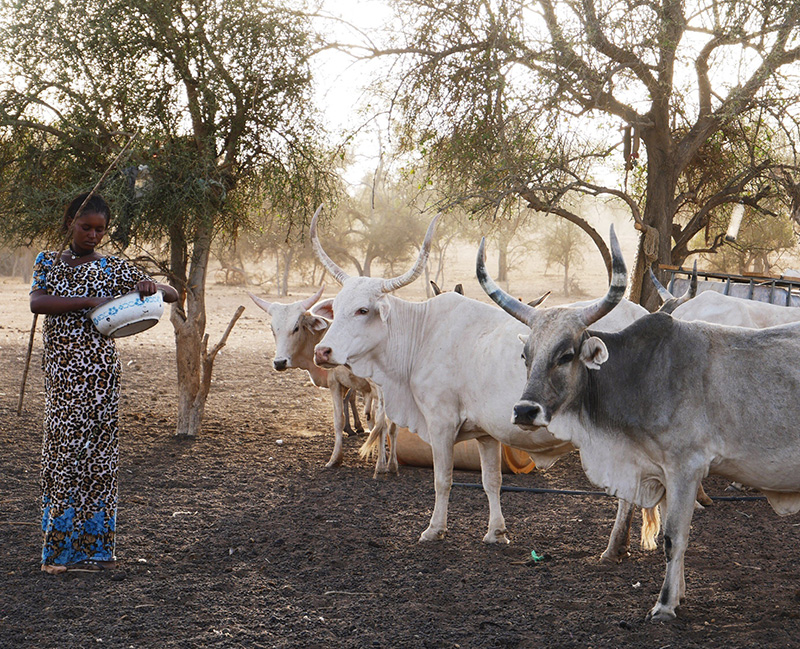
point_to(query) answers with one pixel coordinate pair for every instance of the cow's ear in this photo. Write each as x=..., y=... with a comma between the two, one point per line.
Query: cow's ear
x=324, y=309
x=315, y=323
x=594, y=353
x=383, y=308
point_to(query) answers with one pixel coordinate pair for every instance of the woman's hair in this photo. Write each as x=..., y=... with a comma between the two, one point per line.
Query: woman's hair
x=95, y=204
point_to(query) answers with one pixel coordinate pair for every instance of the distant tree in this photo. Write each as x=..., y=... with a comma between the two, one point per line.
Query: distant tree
x=381, y=223
x=762, y=246
x=220, y=92
x=563, y=245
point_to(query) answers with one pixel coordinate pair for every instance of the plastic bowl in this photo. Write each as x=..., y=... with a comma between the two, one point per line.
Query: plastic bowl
x=127, y=314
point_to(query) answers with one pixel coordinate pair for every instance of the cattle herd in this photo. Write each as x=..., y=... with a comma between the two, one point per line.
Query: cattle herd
x=653, y=402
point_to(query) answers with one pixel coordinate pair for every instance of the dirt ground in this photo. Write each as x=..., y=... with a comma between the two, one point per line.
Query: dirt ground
x=241, y=538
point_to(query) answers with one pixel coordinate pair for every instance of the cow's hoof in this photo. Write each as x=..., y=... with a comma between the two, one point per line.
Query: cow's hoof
x=429, y=535
x=334, y=461
x=497, y=536
x=614, y=556
x=661, y=613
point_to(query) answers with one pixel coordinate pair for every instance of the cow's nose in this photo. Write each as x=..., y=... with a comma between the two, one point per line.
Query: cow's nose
x=322, y=355
x=279, y=364
x=526, y=413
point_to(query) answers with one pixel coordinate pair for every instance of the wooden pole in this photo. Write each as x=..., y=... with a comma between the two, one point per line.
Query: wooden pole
x=58, y=259
x=27, y=364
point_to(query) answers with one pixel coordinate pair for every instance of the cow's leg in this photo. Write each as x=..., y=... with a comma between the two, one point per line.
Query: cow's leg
x=620, y=540
x=681, y=494
x=442, y=449
x=347, y=399
x=702, y=497
x=379, y=423
x=369, y=405
x=394, y=467
x=338, y=422
x=353, y=403
x=381, y=467
x=492, y=478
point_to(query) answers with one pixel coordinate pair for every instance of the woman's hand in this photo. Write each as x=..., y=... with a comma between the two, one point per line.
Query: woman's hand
x=146, y=287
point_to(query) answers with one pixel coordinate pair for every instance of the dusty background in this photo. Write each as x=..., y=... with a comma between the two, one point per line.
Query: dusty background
x=242, y=539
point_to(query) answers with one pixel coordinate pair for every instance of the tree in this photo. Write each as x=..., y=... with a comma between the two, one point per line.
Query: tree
x=220, y=94
x=561, y=245
x=511, y=98
x=383, y=222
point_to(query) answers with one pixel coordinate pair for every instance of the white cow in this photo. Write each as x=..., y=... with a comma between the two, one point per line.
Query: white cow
x=656, y=407
x=449, y=368
x=711, y=306
x=296, y=332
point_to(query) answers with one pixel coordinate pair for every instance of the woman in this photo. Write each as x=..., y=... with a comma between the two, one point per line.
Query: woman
x=81, y=376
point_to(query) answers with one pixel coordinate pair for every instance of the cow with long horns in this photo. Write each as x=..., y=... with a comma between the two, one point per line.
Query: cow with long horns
x=651, y=410
x=449, y=369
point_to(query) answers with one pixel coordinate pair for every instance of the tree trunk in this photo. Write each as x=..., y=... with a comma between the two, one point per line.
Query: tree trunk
x=566, y=277
x=502, y=259
x=287, y=262
x=189, y=322
x=655, y=244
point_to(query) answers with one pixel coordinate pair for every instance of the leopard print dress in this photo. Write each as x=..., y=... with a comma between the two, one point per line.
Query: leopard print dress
x=81, y=377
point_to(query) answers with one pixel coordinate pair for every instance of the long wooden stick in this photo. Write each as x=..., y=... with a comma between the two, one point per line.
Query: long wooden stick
x=27, y=364
x=58, y=259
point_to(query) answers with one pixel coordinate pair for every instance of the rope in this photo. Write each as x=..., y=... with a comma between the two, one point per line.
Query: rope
x=579, y=492
x=650, y=246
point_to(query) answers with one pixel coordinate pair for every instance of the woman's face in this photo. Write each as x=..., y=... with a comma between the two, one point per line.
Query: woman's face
x=88, y=231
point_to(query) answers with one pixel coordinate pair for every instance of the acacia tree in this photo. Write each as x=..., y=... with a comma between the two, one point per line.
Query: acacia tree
x=510, y=98
x=220, y=94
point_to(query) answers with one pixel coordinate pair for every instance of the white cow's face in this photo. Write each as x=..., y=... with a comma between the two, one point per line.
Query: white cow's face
x=295, y=333
x=361, y=309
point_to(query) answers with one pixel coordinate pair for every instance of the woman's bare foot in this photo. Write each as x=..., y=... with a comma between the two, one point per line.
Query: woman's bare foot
x=51, y=569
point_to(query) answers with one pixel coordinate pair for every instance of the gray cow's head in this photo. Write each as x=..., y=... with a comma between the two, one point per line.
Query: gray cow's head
x=361, y=307
x=295, y=330
x=558, y=350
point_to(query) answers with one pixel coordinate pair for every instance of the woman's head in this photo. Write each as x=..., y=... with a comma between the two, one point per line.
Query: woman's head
x=95, y=205
x=87, y=228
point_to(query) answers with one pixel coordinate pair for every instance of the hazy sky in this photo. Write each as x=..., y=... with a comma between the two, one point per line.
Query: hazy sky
x=340, y=80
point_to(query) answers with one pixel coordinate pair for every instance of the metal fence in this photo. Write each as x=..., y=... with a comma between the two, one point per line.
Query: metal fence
x=784, y=291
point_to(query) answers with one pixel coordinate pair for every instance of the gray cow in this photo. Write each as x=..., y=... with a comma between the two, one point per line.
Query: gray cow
x=651, y=410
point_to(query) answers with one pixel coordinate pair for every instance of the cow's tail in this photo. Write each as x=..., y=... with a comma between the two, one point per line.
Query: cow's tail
x=651, y=526
x=369, y=447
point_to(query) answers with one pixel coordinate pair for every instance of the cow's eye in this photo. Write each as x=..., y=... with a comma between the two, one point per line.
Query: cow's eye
x=296, y=329
x=566, y=358
x=362, y=311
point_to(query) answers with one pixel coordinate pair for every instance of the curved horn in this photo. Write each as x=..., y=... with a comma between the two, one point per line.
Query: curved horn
x=393, y=284
x=311, y=301
x=263, y=304
x=539, y=300
x=337, y=273
x=619, y=282
x=675, y=302
x=510, y=305
x=663, y=293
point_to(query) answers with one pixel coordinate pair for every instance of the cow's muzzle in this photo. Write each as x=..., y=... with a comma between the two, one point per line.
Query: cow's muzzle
x=322, y=357
x=280, y=364
x=529, y=414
